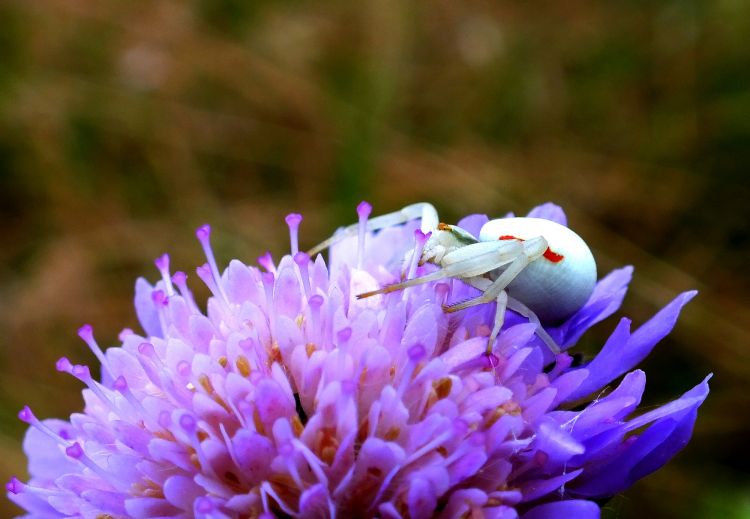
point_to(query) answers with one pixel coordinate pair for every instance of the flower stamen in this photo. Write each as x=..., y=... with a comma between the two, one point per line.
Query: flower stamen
x=293, y=220
x=363, y=211
x=162, y=264
x=203, y=233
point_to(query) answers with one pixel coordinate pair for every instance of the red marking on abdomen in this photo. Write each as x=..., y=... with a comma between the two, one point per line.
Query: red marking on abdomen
x=549, y=255
x=552, y=256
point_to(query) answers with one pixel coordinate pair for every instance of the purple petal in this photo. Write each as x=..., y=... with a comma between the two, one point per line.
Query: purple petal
x=145, y=308
x=645, y=337
x=574, y=508
x=147, y=507
x=549, y=211
x=541, y=487
x=242, y=283
x=462, y=501
x=473, y=223
x=271, y=402
x=421, y=498
x=557, y=443
x=695, y=396
x=287, y=294
x=38, y=505
x=254, y=454
x=647, y=452
x=102, y=501
x=609, y=411
x=500, y=512
x=538, y=404
x=422, y=328
x=605, y=300
x=182, y=491
x=467, y=465
x=632, y=385
x=314, y=502
x=486, y=399
x=46, y=459
x=567, y=383
x=624, y=351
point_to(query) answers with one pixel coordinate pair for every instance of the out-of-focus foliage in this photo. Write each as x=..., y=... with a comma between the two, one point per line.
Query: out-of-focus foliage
x=123, y=125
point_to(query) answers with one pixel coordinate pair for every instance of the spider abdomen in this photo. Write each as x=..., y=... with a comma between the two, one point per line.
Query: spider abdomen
x=557, y=284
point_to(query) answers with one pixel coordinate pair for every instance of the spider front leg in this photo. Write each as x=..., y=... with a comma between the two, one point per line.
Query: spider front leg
x=532, y=250
x=498, y=286
x=466, y=262
x=424, y=211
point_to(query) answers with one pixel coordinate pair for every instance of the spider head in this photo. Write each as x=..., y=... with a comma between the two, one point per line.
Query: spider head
x=444, y=239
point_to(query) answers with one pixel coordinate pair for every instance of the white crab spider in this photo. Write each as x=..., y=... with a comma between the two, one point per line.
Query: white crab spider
x=536, y=267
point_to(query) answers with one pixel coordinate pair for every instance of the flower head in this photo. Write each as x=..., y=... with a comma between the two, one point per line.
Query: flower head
x=291, y=397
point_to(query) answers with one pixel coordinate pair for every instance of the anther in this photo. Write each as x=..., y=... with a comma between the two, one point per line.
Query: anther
x=343, y=336
x=179, y=278
x=124, y=334
x=165, y=420
x=27, y=416
x=162, y=263
x=293, y=220
x=416, y=352
x=266, y=261
x=183, y=368
x=363, y=211
x=75, y=451
x=159, y=298
x=86, y=332
x=14, y=486
x=63, y=365
x=188, y=424
x=204, y=505
x=203, y=233
x=120, y=384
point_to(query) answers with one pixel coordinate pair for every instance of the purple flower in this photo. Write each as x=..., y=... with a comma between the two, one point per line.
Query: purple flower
x=291, y=397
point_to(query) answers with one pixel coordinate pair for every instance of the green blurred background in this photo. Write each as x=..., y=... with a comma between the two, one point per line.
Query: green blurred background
x=123, y=125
